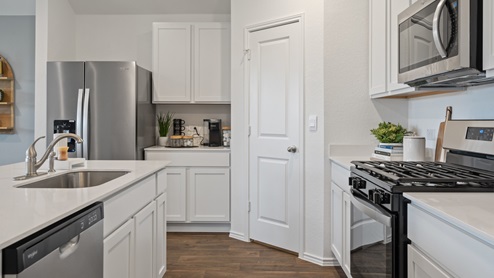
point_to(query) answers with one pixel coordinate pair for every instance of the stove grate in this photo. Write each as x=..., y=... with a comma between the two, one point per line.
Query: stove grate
x=424, y=172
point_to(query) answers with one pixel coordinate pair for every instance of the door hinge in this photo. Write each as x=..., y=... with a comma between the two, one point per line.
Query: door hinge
x=249, y=208
x=249, y=131
x=247, y=52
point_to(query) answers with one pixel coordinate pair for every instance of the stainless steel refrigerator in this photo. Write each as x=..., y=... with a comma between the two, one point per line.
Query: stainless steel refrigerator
x=107, y=103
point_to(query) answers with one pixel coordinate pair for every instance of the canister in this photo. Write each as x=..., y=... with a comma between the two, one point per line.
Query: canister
x=413, y=148
x=227, y=134
x=176, y=141
x=188, y=141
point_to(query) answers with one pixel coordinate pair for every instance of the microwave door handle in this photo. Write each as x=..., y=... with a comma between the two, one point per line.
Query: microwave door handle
x=371, y=210
x=435, y=30
x=79, y=119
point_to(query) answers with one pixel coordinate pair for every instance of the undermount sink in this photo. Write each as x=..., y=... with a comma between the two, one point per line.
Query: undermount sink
x=79, y=179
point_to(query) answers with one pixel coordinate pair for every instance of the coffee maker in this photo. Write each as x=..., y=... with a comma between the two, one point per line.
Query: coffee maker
x=212, y=133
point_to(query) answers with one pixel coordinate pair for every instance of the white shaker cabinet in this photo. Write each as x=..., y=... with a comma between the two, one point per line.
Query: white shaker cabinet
x=420, y=266
x=177, y=184
x=145, y=241
x=172, y=62
x=440, y=248
x=118, y=255
x=198, y=187
x=383, y=48
x=134, y=230
x=211, y=62
x=340, y=216
x=377, y=46
x=161, y=235
x=191, y=62
x=209, y=194
x=488, y=37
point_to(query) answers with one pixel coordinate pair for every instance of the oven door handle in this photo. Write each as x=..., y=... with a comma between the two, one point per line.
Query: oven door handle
x=375, y=212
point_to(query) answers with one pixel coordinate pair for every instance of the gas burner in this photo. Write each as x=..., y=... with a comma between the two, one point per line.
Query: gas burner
x=426, y=174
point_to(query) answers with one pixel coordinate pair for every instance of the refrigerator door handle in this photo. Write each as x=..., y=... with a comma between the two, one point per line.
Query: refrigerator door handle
x=85, y=124
x=79, y=119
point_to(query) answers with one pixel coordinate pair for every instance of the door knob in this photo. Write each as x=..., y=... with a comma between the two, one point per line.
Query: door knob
x=292, y=149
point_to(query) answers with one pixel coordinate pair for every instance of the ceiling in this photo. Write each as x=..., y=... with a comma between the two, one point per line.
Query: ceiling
x=150, y=6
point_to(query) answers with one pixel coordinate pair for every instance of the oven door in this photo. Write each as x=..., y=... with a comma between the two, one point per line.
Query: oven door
x=371, y=238
x=428, y=39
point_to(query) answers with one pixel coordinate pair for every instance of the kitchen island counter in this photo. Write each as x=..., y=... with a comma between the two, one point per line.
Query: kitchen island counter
x=24, y=211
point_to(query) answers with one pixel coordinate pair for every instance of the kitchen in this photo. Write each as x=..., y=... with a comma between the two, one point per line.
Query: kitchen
x=336, y=55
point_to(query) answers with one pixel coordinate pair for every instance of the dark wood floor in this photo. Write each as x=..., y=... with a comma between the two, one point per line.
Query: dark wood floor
x=218, y=255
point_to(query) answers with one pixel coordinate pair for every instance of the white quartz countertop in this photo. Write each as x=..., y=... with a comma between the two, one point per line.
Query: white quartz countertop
x=193, y=149
x=24, y=211
x=345, y=161
x=471, y=212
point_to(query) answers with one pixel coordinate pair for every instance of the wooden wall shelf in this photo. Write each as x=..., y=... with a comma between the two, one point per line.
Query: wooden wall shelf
x=7, y=83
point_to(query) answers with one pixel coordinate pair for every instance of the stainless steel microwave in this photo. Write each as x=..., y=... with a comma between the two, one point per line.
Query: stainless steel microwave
x=440, y=44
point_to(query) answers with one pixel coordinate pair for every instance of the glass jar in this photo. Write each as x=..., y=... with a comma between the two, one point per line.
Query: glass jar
x=176, y=141
x=188, y=141
x=226, y=136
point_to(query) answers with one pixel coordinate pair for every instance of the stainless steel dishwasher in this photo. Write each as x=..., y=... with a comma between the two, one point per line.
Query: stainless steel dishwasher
x=72, y=247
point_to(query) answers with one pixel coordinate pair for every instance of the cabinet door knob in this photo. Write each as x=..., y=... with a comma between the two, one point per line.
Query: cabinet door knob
x=292, y=149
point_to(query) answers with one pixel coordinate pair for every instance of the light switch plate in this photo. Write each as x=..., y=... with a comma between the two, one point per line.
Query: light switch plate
x=312, y=122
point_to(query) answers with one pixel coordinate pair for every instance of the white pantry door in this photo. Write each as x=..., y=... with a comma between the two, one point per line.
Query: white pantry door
x=275, y=113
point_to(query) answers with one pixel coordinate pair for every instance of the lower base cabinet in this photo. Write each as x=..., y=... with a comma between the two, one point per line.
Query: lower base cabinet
x=340, y=216
x=137, y=248
x=118, y=254
x=442, y=248
x=420, y=266
x=198, y=194
x=161, y=202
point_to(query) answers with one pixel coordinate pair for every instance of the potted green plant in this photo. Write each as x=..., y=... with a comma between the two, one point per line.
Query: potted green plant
x=389, y=133
x=164, y=124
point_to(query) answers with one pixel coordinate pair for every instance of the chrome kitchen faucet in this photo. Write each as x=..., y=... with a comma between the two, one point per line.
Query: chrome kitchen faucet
x=32, y=165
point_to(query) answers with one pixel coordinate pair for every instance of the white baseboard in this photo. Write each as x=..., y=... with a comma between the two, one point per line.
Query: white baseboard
x=239, y=236
x=198, y=227
x=319, y=260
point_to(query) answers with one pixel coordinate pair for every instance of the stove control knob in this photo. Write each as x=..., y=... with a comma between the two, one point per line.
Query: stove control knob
x=358, y=183
x=371, y=194
x=380, y=198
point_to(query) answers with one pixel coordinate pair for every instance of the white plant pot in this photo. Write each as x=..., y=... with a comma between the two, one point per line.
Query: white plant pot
x=162, y=141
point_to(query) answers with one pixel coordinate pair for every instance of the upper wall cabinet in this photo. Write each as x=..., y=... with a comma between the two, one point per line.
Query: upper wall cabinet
x=191, y=62
x=383, y=48
x=488, y=37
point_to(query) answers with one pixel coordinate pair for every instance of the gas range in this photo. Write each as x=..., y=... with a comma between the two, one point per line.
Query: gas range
x=379, y=210
x=402, y=176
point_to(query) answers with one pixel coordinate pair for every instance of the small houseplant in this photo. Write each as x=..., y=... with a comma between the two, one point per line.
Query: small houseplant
x=387, y=132
x=164, y=123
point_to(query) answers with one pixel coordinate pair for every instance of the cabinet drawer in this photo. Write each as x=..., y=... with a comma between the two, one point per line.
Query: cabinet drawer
x=456, y=251
x=340, y=175
x=123, y=206
x=184, y=159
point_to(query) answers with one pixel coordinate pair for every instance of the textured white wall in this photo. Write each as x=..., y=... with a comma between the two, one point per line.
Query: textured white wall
x=55, y=40
x=426, y=113
x=125, y=37
x=350, y=113
x=248, y=12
